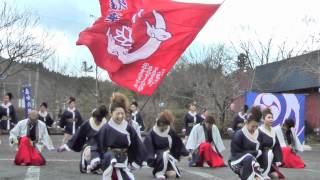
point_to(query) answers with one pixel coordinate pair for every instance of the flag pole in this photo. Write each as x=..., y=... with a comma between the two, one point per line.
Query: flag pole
x=145, y=103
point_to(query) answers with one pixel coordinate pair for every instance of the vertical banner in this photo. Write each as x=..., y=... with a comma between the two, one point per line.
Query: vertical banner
x=26, y=92
x=283, y=106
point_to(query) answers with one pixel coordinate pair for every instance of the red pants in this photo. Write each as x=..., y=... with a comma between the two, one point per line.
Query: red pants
x=27, y=154
x=208, y=155
x=291, y=160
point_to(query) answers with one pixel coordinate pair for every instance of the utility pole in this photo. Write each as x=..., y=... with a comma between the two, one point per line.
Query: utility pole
x=29, y=78
x=19, y=91
x=97, y=87
x=4, y=88
x=36, y=86
x=87, y=69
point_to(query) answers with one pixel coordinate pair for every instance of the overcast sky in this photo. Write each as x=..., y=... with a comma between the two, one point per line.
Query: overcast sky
x=291, y=20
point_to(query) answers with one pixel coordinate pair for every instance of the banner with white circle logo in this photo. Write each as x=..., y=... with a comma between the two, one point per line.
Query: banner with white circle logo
x=283, y=106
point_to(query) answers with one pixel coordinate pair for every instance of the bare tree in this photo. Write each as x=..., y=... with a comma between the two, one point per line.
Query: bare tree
x=263, y=51
x=202, y=75
x=18, y=41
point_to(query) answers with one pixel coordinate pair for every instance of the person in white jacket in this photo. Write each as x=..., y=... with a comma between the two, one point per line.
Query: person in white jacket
x=31, y=135
x=206, y=144
x=290, y=145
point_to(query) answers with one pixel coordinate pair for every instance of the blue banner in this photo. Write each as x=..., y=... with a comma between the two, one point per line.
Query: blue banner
x=26, y=92
x=283, y=106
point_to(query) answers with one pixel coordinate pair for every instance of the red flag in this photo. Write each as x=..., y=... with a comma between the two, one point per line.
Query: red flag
x=138, y=42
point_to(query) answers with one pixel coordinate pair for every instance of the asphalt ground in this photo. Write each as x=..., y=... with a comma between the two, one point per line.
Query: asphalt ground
x=65, y=166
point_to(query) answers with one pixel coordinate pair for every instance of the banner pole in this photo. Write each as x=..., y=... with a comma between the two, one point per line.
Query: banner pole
x=145, y=103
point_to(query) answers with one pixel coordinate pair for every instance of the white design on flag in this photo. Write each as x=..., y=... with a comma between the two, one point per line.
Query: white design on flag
x=122, y=38
x=157, y=34
x=137, y=14
x=148, y=75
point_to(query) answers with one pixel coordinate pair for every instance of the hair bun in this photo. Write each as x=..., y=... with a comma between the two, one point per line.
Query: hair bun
x=165, y=118
x=167, y=114
x=119, y=100
x=254, y=114
x=266, y=111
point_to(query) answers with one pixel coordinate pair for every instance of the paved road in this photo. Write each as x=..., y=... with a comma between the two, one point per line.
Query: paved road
x=64, y=166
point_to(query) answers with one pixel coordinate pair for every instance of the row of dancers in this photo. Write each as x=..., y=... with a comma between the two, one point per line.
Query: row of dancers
x=69, y=120
x=114, y=147
x=107, y=147
x=258, y=150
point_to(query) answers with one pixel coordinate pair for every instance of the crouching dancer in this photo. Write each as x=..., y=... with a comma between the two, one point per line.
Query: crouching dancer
x=82, y=140
x=245, y=148
x=164, y=147
x=30, y=135
x=117, y=144
x=206, y=144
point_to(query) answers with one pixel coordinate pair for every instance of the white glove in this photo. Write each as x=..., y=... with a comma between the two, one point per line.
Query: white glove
x=13, y=141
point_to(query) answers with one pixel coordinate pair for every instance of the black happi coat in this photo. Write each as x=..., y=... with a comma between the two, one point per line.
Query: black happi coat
x=46, y=119
x=111, y=137
x=241, y=145
x=200, y=119
x=66, y=121
x=238, y=122
x=83, y=136
x=4, y=116
x=189, y=122
x=155, y=144
x=244, y=151
x=269, y=143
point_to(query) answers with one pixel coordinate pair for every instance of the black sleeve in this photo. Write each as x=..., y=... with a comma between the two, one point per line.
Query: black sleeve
x=148, y=143
x=236, y=143
x=140, y=121
x=234, y=123
x=78, y=139
x=199, y=118
x=261, y=140
x=186, y=121
x=137, y=151
x=49, y=120
x=238, y=147
x=13, y=115
x=289, y=137
x=1, y=112
x=178, y=148
x=99, y=143
x=63, y=122
x=277, y=151
x=79, y=118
